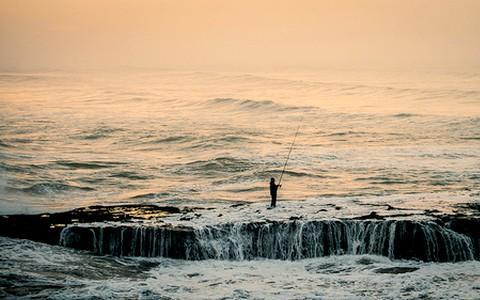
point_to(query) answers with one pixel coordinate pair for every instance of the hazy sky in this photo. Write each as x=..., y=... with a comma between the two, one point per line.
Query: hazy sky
x=243, y=34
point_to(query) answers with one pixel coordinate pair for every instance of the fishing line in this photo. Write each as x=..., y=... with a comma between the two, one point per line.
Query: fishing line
x=288, y=156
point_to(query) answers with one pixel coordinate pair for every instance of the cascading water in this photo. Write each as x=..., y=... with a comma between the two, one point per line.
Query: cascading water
x=290, y=240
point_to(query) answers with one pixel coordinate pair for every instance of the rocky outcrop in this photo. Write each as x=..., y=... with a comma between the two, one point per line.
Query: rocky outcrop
x=46, y=228
x=140, y=230
x=468, y=226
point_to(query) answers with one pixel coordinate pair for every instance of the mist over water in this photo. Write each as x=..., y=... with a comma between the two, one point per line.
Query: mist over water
x=71, y=140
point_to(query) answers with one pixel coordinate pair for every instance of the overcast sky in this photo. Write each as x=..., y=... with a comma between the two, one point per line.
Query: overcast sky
x=238, y=35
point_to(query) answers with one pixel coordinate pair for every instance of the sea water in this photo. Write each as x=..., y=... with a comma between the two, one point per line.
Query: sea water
x=71, y=140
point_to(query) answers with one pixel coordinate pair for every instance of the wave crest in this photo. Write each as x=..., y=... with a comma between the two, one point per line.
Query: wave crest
x=53, y=187
x=219, y=164
x=254, y=105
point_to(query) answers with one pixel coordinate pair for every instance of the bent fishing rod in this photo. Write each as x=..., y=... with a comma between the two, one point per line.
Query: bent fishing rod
x=288, y=156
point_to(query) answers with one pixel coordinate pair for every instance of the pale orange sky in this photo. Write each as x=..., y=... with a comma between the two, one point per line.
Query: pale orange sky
x=238, y=35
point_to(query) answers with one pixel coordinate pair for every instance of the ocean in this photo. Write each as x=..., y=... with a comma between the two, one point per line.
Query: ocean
x=213, y=140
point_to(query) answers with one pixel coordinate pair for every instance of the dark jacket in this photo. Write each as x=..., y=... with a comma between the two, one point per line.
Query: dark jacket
x=273, y=188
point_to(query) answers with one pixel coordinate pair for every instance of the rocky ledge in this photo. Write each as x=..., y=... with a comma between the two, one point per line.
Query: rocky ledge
x=47, y=227
x=149, y=230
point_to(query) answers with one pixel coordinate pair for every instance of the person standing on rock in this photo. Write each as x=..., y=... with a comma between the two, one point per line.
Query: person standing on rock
x=274, y=187
x=273, y=191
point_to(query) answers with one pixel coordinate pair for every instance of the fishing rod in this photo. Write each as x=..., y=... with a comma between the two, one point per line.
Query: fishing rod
x=288, y=156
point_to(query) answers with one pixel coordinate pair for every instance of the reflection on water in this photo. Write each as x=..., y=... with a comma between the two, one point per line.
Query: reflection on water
x=73, y=140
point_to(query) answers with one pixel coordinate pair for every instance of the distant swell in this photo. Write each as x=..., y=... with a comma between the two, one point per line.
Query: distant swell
x=254, y=105
x=173, y=139
x=219, y=164
x=130, y=175
x=99, y=133
x=404, y=115
x=5, y=145
x=268, y=173
x=87, y=165
x=345, y=133
x=292, y=240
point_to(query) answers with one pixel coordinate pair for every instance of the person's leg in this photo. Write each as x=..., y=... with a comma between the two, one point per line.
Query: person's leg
x=274, y=200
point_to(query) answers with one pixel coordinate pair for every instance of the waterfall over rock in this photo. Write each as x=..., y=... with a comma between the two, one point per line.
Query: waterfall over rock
x=399, y=239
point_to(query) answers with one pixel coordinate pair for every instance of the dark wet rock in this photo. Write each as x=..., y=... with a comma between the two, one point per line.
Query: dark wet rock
x=328, y=268
x=47, y=227
x=373, y=215
x=387, y=206
x=116, y=230
x=195, y=208
x=469, y=207
x=317, y=268
x=237, y=204
x=468, y=226
x=365, y=261
x=395, y=270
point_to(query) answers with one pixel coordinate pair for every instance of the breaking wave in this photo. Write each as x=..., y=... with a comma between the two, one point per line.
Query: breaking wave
x=53, y=188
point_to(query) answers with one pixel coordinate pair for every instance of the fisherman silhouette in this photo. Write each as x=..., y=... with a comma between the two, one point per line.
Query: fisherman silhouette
x=273, y=191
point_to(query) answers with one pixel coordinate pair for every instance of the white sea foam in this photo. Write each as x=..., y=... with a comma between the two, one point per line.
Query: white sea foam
x=59, y=273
